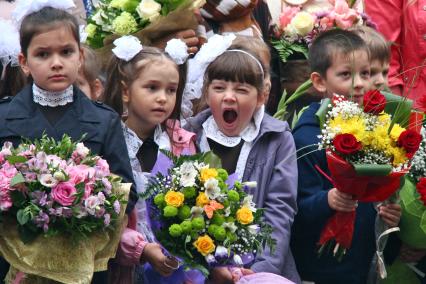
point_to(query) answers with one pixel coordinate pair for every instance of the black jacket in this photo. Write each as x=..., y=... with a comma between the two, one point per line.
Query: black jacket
x=21, y=118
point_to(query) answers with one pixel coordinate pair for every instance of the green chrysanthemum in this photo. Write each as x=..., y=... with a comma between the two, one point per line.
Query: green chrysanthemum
x=124, y=24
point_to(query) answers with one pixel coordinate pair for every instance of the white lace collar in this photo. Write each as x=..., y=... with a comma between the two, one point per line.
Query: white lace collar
x=248, y=134
x=52, y=99
x=134, y=143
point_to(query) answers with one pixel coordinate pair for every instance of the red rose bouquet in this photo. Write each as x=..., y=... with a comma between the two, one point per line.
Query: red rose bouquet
x=368, y=151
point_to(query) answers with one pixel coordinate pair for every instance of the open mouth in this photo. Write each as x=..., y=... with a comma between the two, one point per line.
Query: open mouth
x=230, y=116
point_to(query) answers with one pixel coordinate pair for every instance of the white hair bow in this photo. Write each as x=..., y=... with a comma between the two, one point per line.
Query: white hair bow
x=26, y=7
x=126, y=47
x=9, y=43
x=214, y=47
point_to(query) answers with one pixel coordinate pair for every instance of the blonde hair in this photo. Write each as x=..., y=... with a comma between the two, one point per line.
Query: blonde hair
x=378, y=46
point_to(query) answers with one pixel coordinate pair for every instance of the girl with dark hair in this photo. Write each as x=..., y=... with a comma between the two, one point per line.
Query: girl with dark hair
x=51, y=104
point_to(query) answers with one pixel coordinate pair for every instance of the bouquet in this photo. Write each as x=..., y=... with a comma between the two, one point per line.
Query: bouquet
x=146, y=19
x=59, y=198
x=298, y=25
x=368, y=151
x=203, y=216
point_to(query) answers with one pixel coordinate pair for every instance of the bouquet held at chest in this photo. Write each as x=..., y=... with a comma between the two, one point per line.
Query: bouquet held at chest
x=203, y=216
x=368, y=150
x=58, y=193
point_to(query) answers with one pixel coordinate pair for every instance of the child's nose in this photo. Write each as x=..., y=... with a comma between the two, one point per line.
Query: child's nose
x=229, y=96
x=379, y=81
x=56, y=62
x=358, y=82
x=161, y=96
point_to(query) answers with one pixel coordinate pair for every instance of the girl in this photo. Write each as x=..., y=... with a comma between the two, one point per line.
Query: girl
x=254, y=145
x=149, y=84
x=51, y=105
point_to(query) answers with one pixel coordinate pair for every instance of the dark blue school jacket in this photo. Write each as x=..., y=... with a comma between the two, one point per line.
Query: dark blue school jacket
x=21, y=117
x=314, y=212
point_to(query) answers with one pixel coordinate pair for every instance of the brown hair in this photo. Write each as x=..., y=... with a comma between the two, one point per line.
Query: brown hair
x=119, y=71
x=44, y=20
x=377, y=44
x=13, y=82
x=235, y=66
x=254, y=46
x=90, y=68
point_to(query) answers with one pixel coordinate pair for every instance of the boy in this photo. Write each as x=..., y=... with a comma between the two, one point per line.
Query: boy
x=340, y=64
x=379, y=56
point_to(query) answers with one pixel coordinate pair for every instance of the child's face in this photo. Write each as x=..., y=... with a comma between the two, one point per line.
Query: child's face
x=84, y=86
x=349, y=75
x=53, y=59
x=379, y=74
x=151, y=98
x=233, y=105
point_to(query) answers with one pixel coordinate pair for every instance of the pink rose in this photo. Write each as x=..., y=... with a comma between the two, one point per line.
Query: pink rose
x=287, y=15
x=80, y=173
x=64, y=193
x=1, y=158
x=9, y=170
x=344, y=16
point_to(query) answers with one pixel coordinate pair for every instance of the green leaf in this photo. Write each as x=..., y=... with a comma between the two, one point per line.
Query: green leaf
x=22, y=216
x=212, y=159
x=17, y=179
x=322, y=112
x=16, y=159
x=372, y=170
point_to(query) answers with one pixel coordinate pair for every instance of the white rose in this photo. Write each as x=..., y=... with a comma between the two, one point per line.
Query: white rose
x=303, y=23
x=148, y=9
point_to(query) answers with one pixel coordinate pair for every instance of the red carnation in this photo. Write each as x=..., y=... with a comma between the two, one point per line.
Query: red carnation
x=421, y=189
x=410, y=140
x=346, y=144
x=374, y=102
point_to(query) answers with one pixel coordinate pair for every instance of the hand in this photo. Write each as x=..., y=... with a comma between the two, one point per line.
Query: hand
x=188, y=36
x=391, y=214
x=410, y=254
x=340, y=201
x=221, y=275
x=153, y=254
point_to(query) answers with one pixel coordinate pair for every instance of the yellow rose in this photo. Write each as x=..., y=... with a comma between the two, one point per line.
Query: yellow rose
x=174, y=198
x=202, y=199
x=206, y=174
x=303, y=23
x=244, y=216
x=204, y=245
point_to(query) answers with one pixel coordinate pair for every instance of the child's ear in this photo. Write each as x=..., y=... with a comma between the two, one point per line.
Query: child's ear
x=318, y=82
x=24, y=64
x=125, y=95
x=98, y=89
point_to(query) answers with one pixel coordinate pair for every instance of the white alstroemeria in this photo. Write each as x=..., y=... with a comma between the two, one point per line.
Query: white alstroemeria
x=212, y=188
x=248, y=202
x=238, y=260
x=197, y=211
x=177, y=50
x=48, y=180
x=188, y=173
x=230, y=226
x=221, y=252
x=253, y=229
x=126, y=47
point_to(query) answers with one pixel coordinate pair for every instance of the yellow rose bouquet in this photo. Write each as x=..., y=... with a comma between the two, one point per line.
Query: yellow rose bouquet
x=202, y=215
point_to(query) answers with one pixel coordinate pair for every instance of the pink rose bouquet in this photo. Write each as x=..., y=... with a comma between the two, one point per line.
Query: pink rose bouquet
x=298, y=25
x=52, y=188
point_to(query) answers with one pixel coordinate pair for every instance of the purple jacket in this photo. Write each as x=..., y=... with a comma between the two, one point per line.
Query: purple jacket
x=272, y=163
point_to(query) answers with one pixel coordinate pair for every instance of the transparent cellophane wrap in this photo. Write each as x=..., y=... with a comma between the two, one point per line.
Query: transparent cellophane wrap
x=182, y=18
x=58, y=259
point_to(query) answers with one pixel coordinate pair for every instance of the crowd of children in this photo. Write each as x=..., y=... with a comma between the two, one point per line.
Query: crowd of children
x=140, y=114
